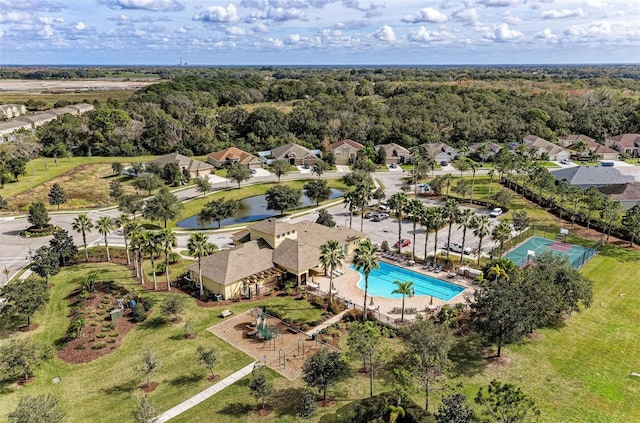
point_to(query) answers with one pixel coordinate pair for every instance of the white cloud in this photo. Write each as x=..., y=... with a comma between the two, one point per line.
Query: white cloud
x=236, y=31
x=185, y=28
x=80, y=26
x=469, y=16
x=503, y=33
x=428, y=14
x=564, y=13
x=595, y=30
x=218, y=14
x=385, y=33
x=16, y=17
x=424, y=36
x=546, y=34
x=279, y=14
x=499, y=3
x=510, y=19
x=352, y=25
x=31, y=5
x=261, y=27
x=153, y=5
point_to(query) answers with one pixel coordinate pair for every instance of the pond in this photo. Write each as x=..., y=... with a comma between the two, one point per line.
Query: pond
x=250, y=209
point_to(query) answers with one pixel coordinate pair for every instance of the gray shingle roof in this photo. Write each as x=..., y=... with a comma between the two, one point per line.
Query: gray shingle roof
x=592, y=176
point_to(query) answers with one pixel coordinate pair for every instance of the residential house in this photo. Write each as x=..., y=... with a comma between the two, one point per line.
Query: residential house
x=592, y=176
x=395, y=153
x=294, y=154
x=490, y=149
x=9, y=111
x=38, y=119
x=542, y=146
x=59, y=111
x=625, y=143
x=593, y=147
x=345, y=151
x=7, y=128
x=441, y=152
x=193, y=167
x=627, y=194
x=82, y=107
x=231, y=156
x=270, y=251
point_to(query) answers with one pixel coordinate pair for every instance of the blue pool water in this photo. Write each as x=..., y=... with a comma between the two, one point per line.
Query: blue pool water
x=381, y=283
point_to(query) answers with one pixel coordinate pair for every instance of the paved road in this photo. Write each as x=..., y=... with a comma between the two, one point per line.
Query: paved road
x=15, y=251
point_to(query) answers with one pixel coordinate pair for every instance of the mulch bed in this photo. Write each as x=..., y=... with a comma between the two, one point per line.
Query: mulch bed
x=329, y=402
x=22, y=381
x=262, y=411
x=149, y=388
x=29, y=328
x=98, y=338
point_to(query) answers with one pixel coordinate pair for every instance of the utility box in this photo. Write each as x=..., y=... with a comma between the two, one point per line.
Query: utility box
x=116, y=314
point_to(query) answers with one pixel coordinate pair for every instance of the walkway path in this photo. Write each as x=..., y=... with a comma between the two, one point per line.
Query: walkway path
x=326, y=323
x=207, y=393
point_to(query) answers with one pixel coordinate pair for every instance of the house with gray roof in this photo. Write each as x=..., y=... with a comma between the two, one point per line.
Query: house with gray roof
x=195, y=168
x=485, y=150
x=627, y=194
x=441, y=152
x=592, y=176
x=268, y=252
x=9, y=127
x=38, y=119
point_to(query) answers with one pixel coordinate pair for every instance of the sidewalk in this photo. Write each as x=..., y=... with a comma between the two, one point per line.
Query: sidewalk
x=326, y=323
x=207, y=393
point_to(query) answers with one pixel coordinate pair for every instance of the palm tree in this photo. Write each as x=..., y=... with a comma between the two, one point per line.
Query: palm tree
x=498, y=273
x=501, y=233
x=83, y=224
x=431, y=164
x=438, y=221
x=105, y=225
x=167, y=240
x=481, y=228
x=451, y=212
x=363, y=195
x=398, y=202
x=199, y=246
x=133, y=231
x=426, y=220
x=414, y=209
x=447, y=180
x=365, y=260
x=406, y=290
x=150, y=245
x=350, y=201
x=473, y=166
x=464, y=221
x=331, y=258
x=123, y=221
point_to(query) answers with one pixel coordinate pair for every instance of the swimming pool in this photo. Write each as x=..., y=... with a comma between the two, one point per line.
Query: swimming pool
x=381, y=283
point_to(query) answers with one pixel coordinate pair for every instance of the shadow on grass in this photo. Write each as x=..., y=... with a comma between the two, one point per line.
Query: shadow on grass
x=237, y=409
x=155, y=323
x=467, y=356
x=286, y=400
x=623, y=255
x=185, y=380
x=122, y=388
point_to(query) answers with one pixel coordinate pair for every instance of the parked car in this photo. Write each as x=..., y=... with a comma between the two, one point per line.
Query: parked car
x=495, y=212
x=368, y=215
x=606, y=164
x=253, y=171
x=306, y=166
x=384, y=208
x=457, y=248
x=565, y=161
x=443, y=163
x=393, y=165
x=379, y=217
x=402, y=243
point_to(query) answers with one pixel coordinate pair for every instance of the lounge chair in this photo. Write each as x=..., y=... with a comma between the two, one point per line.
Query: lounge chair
x=439, y=269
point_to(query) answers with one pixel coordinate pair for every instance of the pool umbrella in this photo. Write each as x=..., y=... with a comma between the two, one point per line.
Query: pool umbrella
x=371, y=302
x=431, y=300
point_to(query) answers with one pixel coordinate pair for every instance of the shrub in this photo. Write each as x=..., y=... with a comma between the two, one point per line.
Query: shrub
x=80, y=347
x=99, y=346
x=111, y=341
x=114, y=334
x=174, y=258
x=138, y=314
x=161, y=267
x=147, y=303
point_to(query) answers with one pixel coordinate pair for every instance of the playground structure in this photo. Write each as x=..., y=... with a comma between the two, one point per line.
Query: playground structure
x=269, y=340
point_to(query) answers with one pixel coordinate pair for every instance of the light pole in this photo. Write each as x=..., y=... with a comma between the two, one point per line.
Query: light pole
x=30, y=257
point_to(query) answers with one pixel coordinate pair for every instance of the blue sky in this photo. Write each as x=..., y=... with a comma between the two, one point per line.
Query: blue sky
x=280, y=32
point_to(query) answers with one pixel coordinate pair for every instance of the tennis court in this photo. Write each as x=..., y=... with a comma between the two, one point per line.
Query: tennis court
x=527, y=251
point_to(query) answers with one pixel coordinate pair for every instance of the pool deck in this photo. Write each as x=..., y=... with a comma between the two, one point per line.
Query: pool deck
x=347, y=287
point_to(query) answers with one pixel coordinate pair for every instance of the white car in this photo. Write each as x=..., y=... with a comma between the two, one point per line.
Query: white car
x=457, y=248
x=495, y=212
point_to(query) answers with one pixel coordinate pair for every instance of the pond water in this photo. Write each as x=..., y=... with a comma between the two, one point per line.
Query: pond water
x=250, y=209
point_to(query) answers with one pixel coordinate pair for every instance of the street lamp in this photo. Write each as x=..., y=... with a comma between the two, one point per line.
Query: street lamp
x=30, y=251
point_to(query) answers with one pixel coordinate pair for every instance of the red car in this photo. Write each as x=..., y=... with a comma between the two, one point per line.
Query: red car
x=402, y=243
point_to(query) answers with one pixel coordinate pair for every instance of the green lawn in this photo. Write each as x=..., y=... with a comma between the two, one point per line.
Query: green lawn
x=104, y=390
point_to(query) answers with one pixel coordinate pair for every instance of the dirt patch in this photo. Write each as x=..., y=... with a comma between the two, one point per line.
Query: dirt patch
x=25, y=328
x=535, y=336
x=329, y=402
x=85, y=186
x=498, y=362
x=22, y=381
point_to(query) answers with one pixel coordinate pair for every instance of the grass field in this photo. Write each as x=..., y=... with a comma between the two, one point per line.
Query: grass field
x=50, y=99
x=42, y=170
